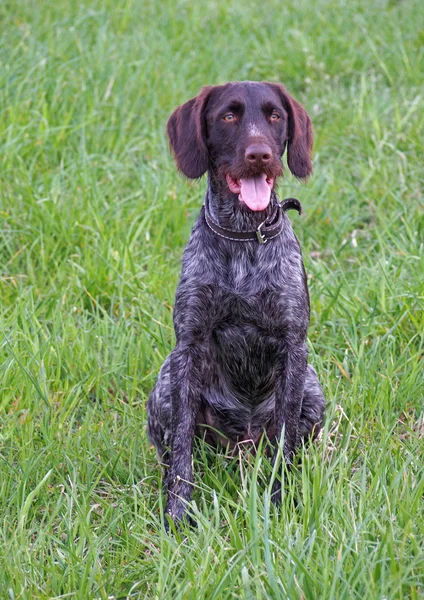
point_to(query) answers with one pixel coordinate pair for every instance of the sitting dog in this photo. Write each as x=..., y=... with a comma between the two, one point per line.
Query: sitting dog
x=239, y=368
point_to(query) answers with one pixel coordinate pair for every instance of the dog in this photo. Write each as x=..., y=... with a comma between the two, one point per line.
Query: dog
x=239, y=369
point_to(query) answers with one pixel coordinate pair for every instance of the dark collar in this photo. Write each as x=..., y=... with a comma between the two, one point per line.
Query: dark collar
x=267, y=230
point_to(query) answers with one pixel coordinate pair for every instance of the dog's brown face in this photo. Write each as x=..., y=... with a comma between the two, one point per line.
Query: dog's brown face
x=239, y=132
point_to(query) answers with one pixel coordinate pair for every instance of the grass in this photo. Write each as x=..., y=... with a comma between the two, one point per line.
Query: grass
x=93, y=221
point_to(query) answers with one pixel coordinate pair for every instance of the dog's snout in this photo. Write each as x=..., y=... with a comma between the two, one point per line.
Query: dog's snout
x=258, y=154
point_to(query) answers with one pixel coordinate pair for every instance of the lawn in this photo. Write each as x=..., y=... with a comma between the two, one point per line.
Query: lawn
x=93, y=222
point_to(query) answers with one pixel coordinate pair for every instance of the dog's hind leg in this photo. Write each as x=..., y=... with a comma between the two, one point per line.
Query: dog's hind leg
x=313, y=405
x=159, y=413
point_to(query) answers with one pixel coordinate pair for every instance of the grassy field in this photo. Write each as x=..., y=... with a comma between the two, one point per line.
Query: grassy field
x=93, y=222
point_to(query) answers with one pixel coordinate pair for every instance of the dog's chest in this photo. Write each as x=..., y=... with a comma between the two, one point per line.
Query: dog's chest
x=250, y=268
x=260, y=299
x=245, y=273
x=257, y=273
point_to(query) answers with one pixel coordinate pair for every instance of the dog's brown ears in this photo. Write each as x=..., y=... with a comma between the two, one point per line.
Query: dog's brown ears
x=186, y=133
x=300, y=137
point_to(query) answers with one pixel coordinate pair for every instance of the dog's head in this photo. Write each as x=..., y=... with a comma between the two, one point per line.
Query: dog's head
x=239, y=132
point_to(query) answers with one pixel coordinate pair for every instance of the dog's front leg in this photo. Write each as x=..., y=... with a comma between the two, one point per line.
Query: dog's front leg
x=288, y=405
x=187, y=375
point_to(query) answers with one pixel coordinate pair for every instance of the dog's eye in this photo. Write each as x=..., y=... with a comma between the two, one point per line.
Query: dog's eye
x=228, y=117
x=275, y=116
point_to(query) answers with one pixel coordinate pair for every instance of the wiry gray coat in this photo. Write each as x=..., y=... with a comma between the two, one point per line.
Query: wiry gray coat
x=239, y=367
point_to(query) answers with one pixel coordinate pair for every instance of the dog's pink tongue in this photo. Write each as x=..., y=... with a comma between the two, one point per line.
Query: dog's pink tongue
x=255, y=192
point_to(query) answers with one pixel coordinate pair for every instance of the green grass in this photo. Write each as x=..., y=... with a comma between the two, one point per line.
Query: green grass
x=93, y=222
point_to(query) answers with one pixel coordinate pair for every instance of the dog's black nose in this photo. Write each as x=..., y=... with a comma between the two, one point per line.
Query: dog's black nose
x=258, y=154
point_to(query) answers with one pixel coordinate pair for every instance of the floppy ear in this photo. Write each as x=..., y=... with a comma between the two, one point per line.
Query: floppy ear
x=300, y=137
x=186, y=133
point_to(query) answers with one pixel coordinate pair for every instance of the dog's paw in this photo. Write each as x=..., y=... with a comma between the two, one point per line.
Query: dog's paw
x=177, y=514
x=276, y=493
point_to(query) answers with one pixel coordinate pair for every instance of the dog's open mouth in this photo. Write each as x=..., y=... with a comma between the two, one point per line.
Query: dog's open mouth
x=255, y=192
